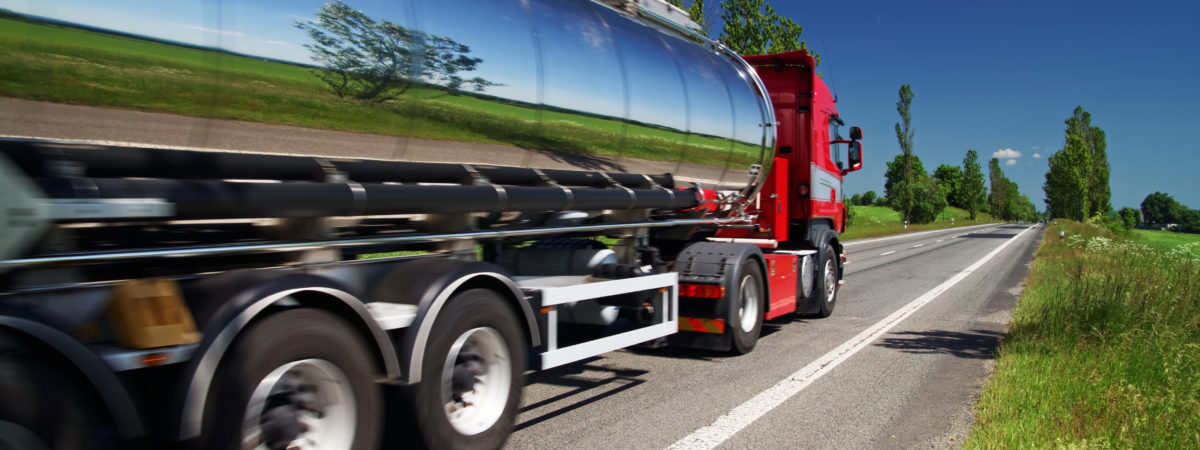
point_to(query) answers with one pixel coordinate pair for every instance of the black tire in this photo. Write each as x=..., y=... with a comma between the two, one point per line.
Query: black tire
x=297, y=343
x=46, y=404
x=465, y=320
x=826, y=282
x=745, y=308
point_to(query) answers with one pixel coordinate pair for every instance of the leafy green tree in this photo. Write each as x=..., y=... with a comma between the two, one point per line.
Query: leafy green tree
x=868, y=198
x=998, y=198
x=856, y=199
x=1077, y=182
x=377, y=61
x=949, y=179
x=928, y=200
x=1129, y=217
x=1066, y=182
x=751, y=27
x=901, y=193
x=893, y=177
x=1190, y=222
x=973, y=193
x=1159, y=208
x=1099, y=193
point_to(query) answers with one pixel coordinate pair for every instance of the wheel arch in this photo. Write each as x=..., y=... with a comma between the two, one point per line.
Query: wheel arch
x=252, y=298
x=86, y=366
x=430, y=285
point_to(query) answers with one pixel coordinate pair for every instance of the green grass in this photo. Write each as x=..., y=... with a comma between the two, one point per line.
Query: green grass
x=67, y=65
x=1103, y=352
x=874, y=221
x=1166, y=240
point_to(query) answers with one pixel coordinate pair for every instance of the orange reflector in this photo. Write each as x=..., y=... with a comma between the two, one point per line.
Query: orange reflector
x=154, y=359
x=701, y=290
x=701, y=325
x=547, y=309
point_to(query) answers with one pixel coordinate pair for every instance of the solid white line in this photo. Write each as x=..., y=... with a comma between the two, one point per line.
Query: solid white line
x=918, y=245
x=887, y=253
x=940, y=240
x=898, y=236
x=738, y=418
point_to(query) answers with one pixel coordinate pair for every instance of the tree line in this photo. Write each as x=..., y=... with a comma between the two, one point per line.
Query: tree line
x=920, y=196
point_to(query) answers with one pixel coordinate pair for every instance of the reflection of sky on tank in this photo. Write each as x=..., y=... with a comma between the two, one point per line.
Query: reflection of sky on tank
x=581, y=66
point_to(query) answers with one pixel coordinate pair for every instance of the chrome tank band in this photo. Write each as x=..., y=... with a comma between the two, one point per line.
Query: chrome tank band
x=550, y=84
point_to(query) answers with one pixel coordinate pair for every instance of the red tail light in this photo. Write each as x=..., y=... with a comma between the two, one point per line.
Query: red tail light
x=701, y=291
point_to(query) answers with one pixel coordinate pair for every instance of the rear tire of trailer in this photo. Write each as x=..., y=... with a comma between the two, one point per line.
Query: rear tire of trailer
x=745, y=308
x=43, y=404
x=472, y=374
x=825, y=293
x=301, y=375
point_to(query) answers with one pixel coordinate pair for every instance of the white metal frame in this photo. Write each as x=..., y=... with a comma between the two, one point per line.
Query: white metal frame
x=562, y=290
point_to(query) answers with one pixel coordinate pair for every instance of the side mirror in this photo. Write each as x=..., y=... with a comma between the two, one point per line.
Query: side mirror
x=855, y=133
x=855, y=156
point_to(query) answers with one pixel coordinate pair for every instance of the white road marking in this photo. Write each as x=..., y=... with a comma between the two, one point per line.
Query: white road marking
x=887, y=253
x=918, y=245
x=898, y=236
x=747, y=413
x=940, y=240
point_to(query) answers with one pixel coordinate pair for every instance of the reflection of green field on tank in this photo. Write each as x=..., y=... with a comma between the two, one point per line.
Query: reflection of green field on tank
x=69, y=65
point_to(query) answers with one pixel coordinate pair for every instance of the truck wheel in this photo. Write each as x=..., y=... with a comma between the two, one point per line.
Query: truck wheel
x=472, y=375
x=745, y=308
x=44, y=406
x=298, y=379
x=827, y=282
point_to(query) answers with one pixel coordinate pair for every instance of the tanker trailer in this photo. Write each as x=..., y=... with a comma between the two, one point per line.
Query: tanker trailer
x=298, y=224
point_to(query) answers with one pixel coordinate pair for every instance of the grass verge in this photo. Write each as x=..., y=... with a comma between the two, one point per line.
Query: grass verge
x=875, y=221
x=1104, y=349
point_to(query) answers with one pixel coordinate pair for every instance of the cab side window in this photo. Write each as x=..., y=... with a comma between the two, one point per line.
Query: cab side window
x=835, y=150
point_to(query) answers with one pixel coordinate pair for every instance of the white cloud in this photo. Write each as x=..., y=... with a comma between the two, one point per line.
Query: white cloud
x=1037, y=155
x=1011, y=162
x=285, y=44
x=1006, y=153
x=220, y=32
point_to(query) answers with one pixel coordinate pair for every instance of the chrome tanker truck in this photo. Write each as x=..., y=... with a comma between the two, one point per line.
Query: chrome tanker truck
x=306, y=224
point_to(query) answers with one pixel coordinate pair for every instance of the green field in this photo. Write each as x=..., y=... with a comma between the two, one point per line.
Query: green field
x=1103, y=352
x=68, y=65
x=1168, y=240
x=873, y=221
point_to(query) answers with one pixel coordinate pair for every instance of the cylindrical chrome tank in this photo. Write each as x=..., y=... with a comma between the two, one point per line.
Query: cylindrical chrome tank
x=532, y=83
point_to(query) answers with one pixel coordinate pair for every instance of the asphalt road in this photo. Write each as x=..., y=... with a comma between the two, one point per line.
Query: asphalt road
x=912, y=386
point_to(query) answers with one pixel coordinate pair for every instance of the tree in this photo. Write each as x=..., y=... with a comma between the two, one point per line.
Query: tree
x=751, y=27
x=1077, y=182
x=928, y=200
x=901, y=194
x=893, y=177
x=998, y=198
x=1159, y=208
x=972, y=193
x=868, y=198
x=949, y=180
x=1099, y=193
x=856, y=199
x=380, y=61
x=1129, y=217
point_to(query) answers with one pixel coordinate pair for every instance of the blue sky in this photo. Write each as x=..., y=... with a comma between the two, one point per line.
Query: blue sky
x=1005, y=75
x=997, y=77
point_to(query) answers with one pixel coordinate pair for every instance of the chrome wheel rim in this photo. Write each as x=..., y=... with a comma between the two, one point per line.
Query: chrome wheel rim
x=830, y=280
x=748, y=310
x=476, y=381
x=313, y=395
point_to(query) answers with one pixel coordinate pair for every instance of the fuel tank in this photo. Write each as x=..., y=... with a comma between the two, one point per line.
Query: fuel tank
x=548, y=84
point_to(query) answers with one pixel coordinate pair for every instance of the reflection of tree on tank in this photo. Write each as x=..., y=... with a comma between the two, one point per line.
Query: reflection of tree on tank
x=379, y=61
